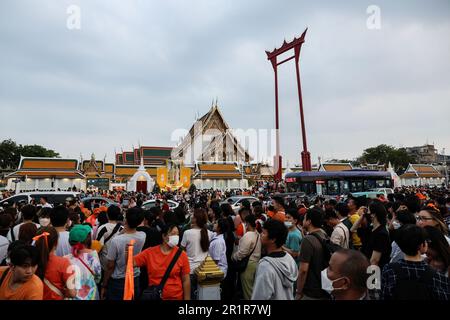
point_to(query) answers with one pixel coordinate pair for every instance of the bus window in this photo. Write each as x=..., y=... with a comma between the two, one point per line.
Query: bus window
x=369, y=184
x=381, y=183
x=306, y=187
x=356, y=186
x=344, y=187
x=332, y=187
x=321, y=189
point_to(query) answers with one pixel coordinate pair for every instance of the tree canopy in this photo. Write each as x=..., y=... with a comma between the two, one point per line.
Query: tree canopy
x=10, y=153
x=383, y=154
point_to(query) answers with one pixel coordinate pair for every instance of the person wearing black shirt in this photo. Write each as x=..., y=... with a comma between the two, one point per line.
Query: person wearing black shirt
x=152, y=238
x=379, y=245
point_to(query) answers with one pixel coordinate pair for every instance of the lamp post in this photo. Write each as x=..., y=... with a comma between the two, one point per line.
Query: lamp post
x=272, y=56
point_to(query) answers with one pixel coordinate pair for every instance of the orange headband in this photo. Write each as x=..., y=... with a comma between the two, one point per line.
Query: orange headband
x=43, y=234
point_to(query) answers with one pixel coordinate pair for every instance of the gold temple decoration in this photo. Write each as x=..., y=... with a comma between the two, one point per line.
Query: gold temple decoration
x=208, y=272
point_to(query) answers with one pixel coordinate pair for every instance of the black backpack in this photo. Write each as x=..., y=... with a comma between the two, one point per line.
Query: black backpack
x=412, y=289
x=328, y=248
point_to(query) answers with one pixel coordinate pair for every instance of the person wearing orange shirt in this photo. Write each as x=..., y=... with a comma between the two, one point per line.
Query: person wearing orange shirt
x=157, y=259
x=57, y=273
x=270, y=211
x=240, y=228
x=18, y=282
x=278, y=204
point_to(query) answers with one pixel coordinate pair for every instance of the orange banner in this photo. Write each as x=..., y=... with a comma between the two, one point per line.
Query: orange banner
x=185, y=177
x=162, y=176
x=128, y=293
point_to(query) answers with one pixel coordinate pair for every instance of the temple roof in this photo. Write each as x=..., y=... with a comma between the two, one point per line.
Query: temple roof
x=151, y=155
x=421, y=171
x=218, y=170
x=213, y=119
x=47, y=168
x=335, y=167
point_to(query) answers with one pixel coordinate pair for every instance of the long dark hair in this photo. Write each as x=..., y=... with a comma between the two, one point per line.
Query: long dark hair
x=45, y=246
x=438, y=243
x=379, y=210
x=227, y=210
x=201, y=220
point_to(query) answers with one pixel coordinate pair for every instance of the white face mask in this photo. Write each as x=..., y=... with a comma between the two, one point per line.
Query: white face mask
x=173, y=241
x=44, y=222
x=288, y=224
x=396, y=224
x=327, y=284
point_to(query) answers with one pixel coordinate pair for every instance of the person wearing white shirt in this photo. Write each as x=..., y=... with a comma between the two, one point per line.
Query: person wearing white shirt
x=218, y=247
x=4, y=243
x=28, y=214
x=44, y=203
x=59, y=218
x=196, y=242
x=340, y=234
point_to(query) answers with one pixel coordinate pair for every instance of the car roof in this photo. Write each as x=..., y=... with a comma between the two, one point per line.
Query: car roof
x=154, y=200
x=46, y=192
x=241, y=197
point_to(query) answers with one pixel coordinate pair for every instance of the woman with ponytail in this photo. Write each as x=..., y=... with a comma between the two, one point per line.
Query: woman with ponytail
x=86, y=263
x=56, y=273
x=196, y=242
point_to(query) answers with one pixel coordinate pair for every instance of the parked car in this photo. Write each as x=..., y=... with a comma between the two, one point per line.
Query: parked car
x=88, y=201
x=235, y=202
x=53, y=197
x=373, y=193
x=384, y=191
x=152, y=203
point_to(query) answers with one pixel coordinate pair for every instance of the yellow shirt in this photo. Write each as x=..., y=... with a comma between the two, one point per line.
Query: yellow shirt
x=356, y=240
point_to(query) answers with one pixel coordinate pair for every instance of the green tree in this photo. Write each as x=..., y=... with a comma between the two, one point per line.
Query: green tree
x=10, y=153
x=37, y=151
x=383, y=154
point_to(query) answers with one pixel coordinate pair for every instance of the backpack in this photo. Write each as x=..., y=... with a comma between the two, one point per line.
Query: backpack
x=412, y=289
x=328, y=248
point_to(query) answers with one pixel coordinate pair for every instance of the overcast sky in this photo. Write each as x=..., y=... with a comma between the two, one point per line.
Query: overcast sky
x=137, y=70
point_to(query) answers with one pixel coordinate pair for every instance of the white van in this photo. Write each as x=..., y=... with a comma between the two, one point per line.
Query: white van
x=53, y=197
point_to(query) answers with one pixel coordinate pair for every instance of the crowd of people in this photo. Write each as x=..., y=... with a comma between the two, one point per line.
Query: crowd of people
x=272, y=248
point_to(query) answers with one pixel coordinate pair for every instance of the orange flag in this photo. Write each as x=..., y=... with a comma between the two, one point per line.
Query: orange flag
x=128, y=293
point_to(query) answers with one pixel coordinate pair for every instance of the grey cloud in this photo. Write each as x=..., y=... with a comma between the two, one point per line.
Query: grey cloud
x=137, y=70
